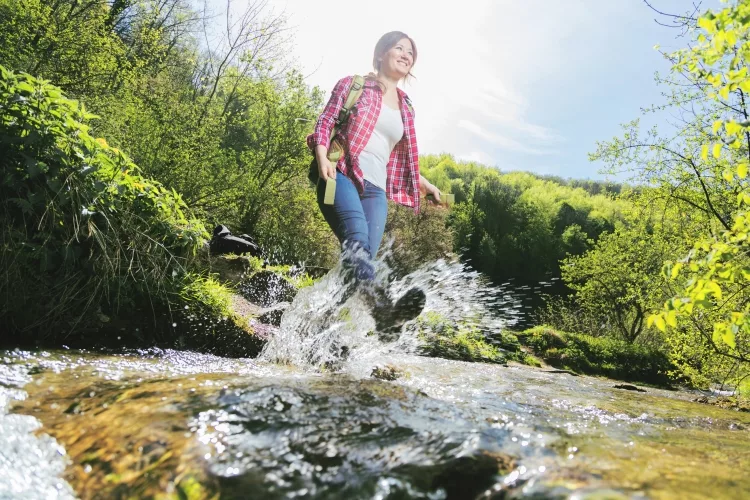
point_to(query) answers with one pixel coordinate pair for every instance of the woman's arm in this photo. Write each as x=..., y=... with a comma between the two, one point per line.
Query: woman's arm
x=426, y=187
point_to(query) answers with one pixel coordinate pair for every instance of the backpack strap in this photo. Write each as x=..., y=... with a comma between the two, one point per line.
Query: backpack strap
x=358, y=85
x=408, y=104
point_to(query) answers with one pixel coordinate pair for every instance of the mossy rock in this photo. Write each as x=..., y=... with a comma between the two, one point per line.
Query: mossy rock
x=232, y=269
x=387, y=372
x=726, y=402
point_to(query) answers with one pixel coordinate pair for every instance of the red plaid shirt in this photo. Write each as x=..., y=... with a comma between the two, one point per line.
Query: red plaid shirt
x=403, y=166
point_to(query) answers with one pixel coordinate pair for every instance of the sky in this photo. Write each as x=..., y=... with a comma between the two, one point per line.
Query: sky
x=515, y=84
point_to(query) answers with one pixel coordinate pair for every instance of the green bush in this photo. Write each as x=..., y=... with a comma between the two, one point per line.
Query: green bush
x=85, y=237
x=598, y=355
x=444, y=339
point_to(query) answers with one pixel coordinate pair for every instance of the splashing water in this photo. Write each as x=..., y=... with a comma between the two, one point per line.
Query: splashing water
x=324, y=327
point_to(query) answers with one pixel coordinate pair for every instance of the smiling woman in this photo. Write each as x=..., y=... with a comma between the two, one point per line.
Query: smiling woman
x=398, y=51
x=380, y=162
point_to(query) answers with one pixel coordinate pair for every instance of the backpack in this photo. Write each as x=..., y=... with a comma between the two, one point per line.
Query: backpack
x=335, y=150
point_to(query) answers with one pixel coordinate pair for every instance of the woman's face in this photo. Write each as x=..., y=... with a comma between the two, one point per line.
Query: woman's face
x=397, y=62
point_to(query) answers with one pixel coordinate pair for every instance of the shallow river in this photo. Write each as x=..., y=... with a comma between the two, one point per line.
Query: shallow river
x=182, y=425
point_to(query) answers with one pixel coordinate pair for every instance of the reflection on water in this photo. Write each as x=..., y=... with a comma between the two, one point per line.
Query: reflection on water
x=150, y=423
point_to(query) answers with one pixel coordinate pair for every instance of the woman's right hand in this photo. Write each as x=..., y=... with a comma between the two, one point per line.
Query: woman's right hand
x=326, y=170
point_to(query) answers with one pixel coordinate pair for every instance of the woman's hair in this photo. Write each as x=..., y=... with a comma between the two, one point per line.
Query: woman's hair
x=386, y=43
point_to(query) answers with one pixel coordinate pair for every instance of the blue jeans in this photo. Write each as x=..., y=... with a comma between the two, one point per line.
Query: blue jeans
x=357, y=221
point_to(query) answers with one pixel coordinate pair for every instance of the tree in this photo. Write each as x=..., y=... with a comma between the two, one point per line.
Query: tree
x=518, y=225
x=699, y=171
x=714, y=299
x=619, y=279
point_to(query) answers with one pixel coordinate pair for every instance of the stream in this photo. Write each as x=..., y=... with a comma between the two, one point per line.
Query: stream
x=158, y=423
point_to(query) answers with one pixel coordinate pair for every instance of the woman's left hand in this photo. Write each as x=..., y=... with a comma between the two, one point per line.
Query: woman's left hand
x=427, y=188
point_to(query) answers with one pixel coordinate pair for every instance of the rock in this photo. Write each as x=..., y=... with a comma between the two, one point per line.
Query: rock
x=267, y=288
x=387, y=372
x=469, y=476
x=273, y=315
x=629, y=387
x=245, y=308
x=568, y=372
x=726, y=402
x=732, y=403
x=231, y=269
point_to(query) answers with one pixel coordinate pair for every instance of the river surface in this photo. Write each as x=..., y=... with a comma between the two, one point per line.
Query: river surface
x=164, y=424
x=307, y=419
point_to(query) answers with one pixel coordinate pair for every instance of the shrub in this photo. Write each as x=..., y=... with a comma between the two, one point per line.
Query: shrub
x=444, y=339
x=84, y=235
x=598, y=355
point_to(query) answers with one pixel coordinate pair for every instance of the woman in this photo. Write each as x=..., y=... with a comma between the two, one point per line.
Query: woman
x=380, y=162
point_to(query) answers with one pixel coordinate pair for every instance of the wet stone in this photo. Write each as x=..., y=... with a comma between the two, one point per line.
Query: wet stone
x=173, y=424
x=387, y=372
x=273, y=315
x=629, y=387
x=267, y=288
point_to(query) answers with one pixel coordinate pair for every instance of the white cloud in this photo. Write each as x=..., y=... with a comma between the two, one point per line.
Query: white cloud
x=476, y=157
x=501, y=107
x=501, y=141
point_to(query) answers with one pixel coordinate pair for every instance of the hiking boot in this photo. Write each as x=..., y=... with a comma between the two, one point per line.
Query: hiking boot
x=390, y=318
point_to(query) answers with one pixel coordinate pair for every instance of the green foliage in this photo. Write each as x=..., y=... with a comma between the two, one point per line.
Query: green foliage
x=292, y=229
x=207, y=293
x=444, y=339
x=598, y=355
x=618, y=280
x=63, y=41
x=698, y=178
x=709, y=318
x=517, y=225
x=292, y=274
x=85, y=235
x=418, y=238
x=220, y=124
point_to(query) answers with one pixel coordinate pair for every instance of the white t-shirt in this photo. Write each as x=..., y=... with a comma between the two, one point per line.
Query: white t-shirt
x=373, y=160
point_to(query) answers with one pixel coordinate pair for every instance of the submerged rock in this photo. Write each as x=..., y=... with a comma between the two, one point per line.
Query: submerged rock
x=629, y=387
x=387, y=372
x=726, y=402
